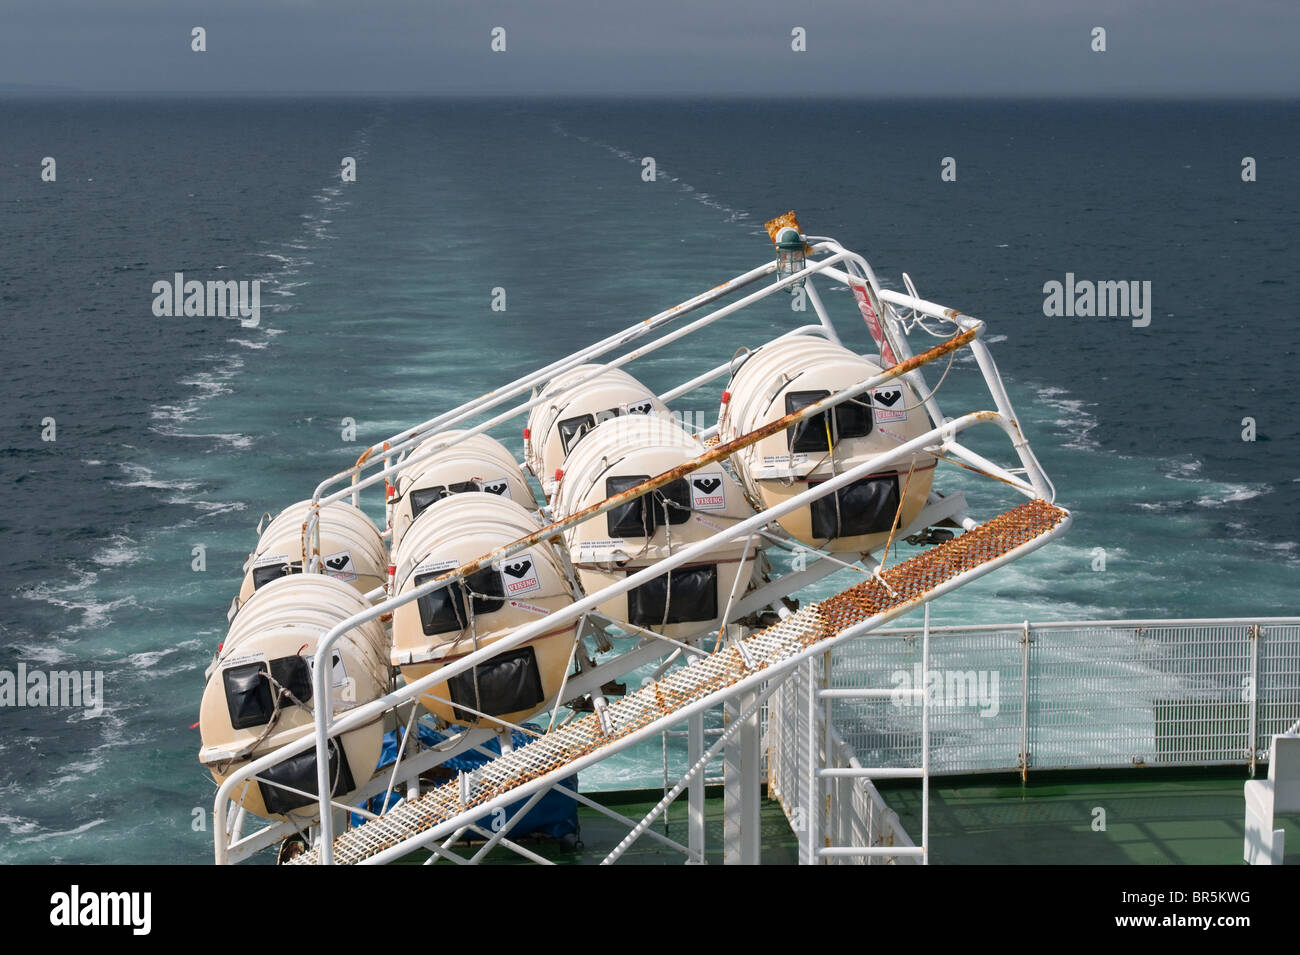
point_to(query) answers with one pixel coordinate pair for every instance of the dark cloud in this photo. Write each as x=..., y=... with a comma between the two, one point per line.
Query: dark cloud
x=923, y=47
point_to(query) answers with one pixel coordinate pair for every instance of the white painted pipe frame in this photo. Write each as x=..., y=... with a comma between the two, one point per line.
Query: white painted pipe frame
x=358, y=715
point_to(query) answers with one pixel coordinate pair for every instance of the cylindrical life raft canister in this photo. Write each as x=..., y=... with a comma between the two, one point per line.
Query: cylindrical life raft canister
x=788, y=375
x=480, y=610
x=352, y=549
x=478, y=463
x=557, y=425
x=605, y=549
x=259, y=694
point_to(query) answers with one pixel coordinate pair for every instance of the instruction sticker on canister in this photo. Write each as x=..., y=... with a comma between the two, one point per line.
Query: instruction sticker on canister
x=708, y=492
x=887, y=403
x=340, y=566
x=772, y=460
x=432, y=566
x=519, y=575
x=242, y=659
x=612, y=543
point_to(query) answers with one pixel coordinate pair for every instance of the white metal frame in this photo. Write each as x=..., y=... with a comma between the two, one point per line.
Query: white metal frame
x=384, y=459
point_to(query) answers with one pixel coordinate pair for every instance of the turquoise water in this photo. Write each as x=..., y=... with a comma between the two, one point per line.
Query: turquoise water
x=180, y=432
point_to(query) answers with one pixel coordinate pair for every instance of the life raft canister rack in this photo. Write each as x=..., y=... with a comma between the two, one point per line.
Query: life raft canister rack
x=764, y=656
x=741, y=666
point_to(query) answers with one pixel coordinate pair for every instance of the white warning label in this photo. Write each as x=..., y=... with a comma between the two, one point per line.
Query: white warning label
x=432, y=566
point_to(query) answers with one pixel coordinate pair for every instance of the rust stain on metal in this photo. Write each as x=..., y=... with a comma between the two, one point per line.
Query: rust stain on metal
x=365, y=455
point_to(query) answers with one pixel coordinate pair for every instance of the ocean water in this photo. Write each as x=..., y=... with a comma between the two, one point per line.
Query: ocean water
x=179, y=432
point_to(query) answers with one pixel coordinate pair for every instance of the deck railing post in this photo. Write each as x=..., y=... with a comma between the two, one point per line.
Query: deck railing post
x=695, y=796
x=811, y=801
x=1253, y=699
x=1026, y=641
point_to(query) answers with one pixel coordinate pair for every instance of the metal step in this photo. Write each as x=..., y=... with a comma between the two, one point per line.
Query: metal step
x=456, y=804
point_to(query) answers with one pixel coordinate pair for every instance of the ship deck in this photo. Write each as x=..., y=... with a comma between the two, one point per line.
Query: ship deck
x=1152, y=817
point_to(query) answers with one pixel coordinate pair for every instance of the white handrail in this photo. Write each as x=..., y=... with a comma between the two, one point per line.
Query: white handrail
x=941, y=438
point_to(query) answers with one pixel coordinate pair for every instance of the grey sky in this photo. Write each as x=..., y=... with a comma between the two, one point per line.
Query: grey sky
x=854, y=47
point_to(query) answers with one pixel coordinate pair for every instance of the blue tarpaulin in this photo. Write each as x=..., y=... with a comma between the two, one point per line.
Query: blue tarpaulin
x=555, y=814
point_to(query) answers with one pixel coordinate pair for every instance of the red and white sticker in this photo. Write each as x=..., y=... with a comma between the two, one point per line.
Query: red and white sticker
x=525, y=606
x=889, y=402
x=701, y=519
x=708, y=492
x=519, y=575
x=340, y=566
x=873, y=323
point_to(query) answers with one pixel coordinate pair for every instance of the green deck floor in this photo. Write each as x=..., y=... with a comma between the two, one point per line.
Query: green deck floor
x=1150, y=818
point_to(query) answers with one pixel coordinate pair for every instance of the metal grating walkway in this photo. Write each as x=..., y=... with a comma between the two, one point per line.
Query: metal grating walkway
x=907, y=582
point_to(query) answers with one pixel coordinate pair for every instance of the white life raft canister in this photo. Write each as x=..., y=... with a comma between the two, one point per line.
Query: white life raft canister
x=352, y=549
x=788, y=375
x=478, y=463
x=557, y=425
x=605, y=549
x=482, y=609
x=259, y=692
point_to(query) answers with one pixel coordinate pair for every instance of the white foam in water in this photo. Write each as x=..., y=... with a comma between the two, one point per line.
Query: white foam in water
x=1239, y=492
x=733, y=215
x=75, y=597
x=65, y=832
x=148, y=659
x=17, y=825
x=1184, y=470
x=207, y=507
x=144, y=478
x=75, y=772
x=1076, y=422
x=118, y=551
x=44, y=655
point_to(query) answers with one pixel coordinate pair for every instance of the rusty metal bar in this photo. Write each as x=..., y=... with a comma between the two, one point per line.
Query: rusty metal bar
x=718, y=452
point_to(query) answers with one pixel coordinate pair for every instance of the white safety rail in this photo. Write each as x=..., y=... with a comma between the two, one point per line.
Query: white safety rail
x=849, y=812
x=983, y=547
x=1076, y=695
